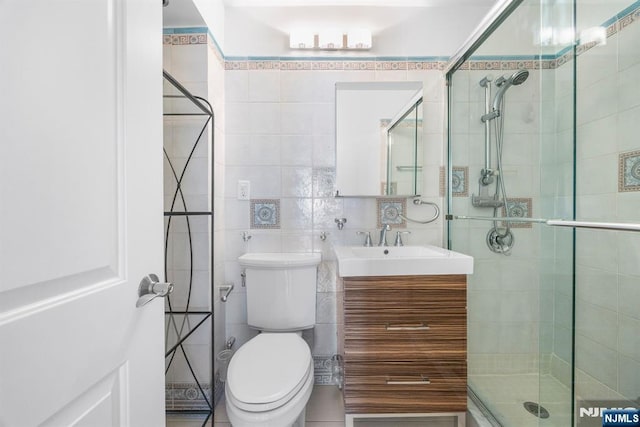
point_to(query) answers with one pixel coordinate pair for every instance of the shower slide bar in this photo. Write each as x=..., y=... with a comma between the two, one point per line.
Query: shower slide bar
x=614, y=226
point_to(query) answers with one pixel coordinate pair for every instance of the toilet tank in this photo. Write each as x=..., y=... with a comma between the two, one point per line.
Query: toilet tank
x=281, y=290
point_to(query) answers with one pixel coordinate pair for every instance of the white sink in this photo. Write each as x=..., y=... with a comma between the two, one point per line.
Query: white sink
x=400, y=261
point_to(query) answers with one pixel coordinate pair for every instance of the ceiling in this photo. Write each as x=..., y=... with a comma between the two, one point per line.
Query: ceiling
x=285, y=15
x=181, y=13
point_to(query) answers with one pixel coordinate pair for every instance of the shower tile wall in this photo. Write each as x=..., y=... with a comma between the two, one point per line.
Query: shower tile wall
x=504, y=292
x=280, y=132
x=607, y=272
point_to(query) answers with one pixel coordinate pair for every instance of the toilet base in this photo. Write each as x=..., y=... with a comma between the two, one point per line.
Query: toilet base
x=301, y=419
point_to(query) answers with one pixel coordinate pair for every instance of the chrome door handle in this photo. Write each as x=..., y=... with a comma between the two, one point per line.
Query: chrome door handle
x=150, y=288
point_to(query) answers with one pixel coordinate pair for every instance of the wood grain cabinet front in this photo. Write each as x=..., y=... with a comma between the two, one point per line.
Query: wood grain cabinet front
x=405, y=342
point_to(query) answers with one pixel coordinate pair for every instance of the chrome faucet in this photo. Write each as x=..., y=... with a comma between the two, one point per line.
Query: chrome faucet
x=383, y=235
x=399, y=238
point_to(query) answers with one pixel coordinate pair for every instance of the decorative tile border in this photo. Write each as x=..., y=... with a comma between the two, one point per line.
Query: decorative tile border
x=184, y=39
x=389, y=211
x=629, y=171
x=187, y=396
x=518, y=208
x=265, y=213
x=322, y=370
x=329, y=65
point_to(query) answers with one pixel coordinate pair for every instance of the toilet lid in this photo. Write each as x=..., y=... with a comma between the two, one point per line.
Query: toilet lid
x=268, y=368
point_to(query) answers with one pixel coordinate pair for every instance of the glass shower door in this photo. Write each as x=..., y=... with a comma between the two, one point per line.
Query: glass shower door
x=511, y=155
x=607, y=263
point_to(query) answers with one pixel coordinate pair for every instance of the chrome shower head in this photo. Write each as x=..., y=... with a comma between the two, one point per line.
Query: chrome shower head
x=516, y=79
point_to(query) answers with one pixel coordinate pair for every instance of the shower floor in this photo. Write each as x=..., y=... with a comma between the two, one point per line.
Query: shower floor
x=504, y=396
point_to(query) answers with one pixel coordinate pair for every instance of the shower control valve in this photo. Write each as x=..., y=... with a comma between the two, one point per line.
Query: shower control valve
x=487, y=176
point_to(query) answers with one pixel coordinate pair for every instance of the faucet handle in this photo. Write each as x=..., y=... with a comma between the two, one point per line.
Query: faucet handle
x=340, y=222
x=399, y=238
x=367, y=237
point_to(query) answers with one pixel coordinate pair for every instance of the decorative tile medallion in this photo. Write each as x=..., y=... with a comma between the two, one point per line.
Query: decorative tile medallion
x=460, y=181
x=265, y=213
x=629, y=172
x=518, y=208
x=389, y=211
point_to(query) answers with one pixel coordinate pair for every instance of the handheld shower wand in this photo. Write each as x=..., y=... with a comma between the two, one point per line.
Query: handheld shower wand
x=504, y=84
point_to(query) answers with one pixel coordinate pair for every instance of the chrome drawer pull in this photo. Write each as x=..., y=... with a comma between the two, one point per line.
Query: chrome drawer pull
x=417, y=327
x=423, y=381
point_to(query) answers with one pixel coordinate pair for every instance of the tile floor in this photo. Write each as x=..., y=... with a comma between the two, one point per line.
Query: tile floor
x=325, y=409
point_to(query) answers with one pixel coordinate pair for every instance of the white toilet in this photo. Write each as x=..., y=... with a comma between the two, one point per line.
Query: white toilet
x=270, y=378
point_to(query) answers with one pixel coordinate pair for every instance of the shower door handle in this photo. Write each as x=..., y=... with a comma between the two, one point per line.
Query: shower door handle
x=150, y=288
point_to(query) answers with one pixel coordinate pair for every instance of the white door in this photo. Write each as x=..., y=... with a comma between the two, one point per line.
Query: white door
x=80, y=212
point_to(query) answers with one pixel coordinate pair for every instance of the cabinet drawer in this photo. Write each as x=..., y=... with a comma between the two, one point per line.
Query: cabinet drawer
x=419, y=386
x=383, y=341
x=418, y=298
x=403, y=313
x=410, y=284
x=389, y=299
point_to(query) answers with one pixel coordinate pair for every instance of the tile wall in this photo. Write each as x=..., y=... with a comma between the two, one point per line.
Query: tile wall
x=275, y=127
x=503, y=292
x=280, y=136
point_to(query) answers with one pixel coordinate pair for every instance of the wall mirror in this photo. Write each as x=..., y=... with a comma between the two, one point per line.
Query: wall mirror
x=379, y=139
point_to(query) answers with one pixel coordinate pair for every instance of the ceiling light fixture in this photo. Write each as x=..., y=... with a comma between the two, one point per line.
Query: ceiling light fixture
x=330, y=39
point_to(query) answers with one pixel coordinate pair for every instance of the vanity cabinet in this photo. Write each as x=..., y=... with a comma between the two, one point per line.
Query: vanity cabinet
x=405, y=344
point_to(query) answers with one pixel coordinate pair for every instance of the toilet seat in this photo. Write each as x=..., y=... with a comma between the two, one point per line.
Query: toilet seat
x=268, y=371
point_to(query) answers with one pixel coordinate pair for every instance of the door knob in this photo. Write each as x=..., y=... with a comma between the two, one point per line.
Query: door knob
x=150, y=288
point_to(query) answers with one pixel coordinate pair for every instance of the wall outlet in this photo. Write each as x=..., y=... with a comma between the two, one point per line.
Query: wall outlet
x=244, y=188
